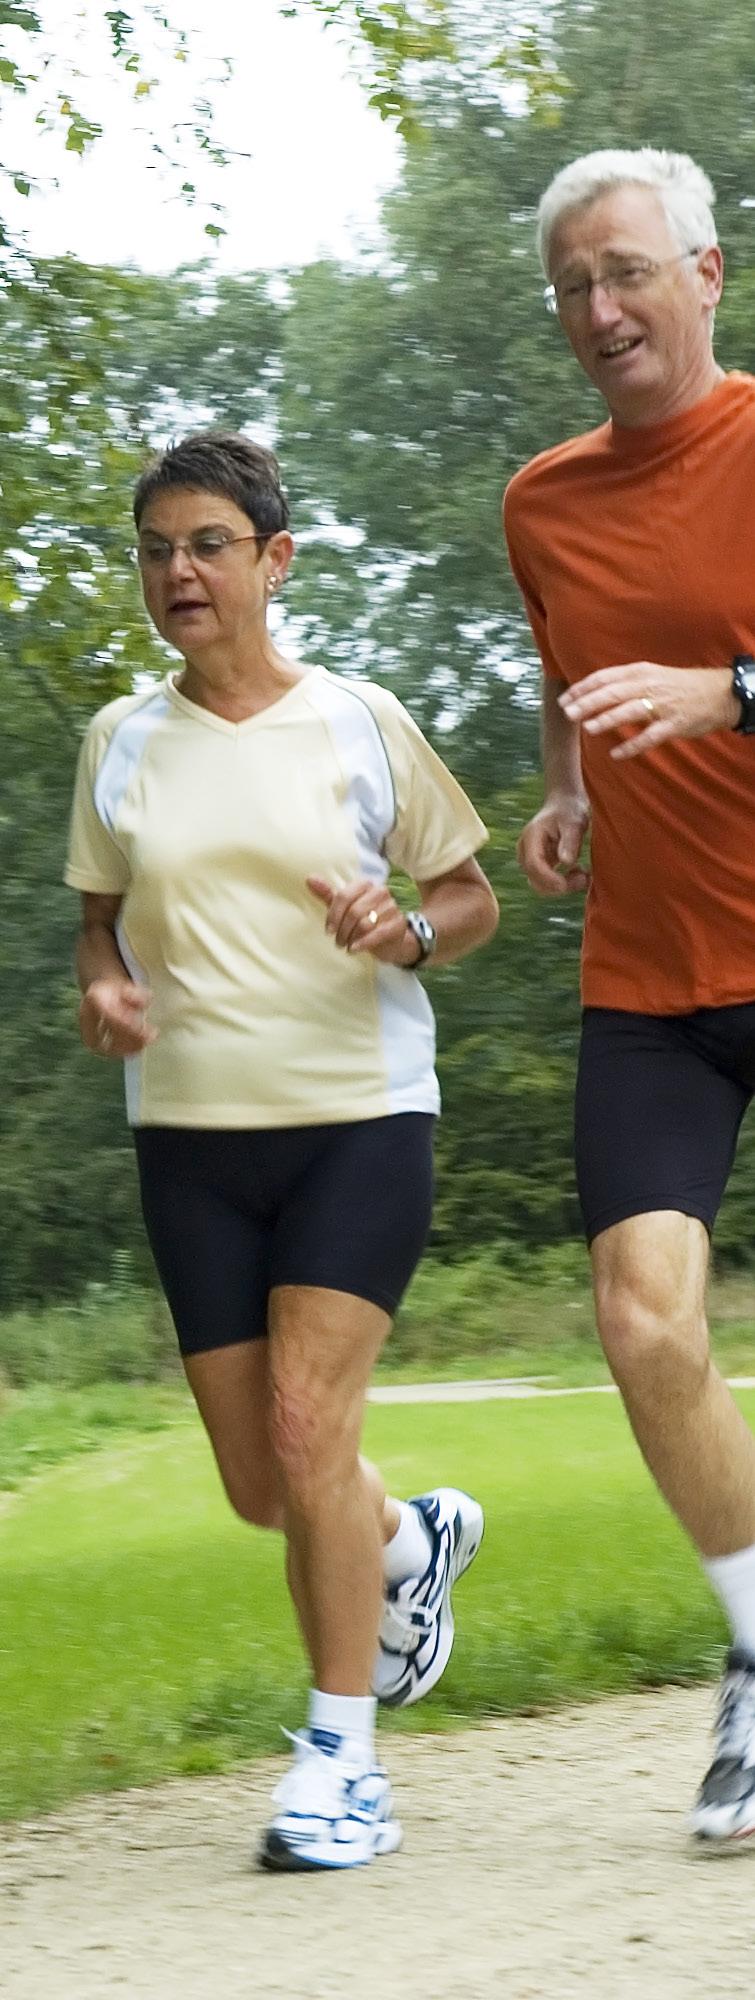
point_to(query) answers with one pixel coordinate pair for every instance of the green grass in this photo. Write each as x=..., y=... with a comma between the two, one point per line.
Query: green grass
x=46, y=1425
x=146, y=1631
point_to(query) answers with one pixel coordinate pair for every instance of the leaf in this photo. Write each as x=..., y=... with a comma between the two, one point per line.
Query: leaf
x=121, y=28
x=81, y=133
x=21, y=186
x=20, y=17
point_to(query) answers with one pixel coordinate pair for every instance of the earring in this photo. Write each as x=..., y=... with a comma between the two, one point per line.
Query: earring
x=272, y=585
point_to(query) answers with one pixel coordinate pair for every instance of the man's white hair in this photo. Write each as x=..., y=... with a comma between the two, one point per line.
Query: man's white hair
x=685, y=191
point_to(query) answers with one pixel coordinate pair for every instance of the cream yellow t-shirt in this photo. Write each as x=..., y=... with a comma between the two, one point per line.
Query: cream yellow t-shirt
x=208, y=830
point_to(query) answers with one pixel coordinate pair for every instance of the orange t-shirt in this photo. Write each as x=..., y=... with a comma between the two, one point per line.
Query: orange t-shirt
x=640, y=545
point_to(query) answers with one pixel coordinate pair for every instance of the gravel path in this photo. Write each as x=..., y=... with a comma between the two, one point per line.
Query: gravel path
x=545, y=1858
x=504, y=1388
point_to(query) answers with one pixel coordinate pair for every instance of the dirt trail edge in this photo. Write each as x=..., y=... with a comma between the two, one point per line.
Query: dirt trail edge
x=543, y=1856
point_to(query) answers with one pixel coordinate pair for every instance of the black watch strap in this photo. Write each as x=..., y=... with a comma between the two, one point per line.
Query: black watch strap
x=743, y=684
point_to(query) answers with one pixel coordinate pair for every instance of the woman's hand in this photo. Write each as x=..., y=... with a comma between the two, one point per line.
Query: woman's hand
x=113, y=1017
x=364, y=916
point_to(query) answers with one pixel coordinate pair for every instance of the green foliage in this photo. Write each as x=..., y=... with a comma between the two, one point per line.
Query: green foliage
x=444, y=376
x=505, y=1310
x=47, y=66
x=114, y=1333
x=496, y=1304
x=121, y=29
x=391, y=36
x=405, y=48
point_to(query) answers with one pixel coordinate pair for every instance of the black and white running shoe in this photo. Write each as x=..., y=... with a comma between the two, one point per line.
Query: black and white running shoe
x=333, y=1812
x=725, y=1805
x=417, y=1629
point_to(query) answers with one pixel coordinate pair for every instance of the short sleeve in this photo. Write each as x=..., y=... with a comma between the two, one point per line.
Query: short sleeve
x=533, y=603
x=436, y=826
x=95, y=862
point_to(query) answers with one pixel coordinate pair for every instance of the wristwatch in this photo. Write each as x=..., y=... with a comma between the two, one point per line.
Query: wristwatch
x=743, y=685
x=425, y=933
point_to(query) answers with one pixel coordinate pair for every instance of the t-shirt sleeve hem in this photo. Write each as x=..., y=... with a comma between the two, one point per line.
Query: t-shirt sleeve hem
x=94, y=885
x=450, y=857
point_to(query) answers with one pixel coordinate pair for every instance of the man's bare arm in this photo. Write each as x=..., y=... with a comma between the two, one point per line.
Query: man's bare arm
x=549, y=847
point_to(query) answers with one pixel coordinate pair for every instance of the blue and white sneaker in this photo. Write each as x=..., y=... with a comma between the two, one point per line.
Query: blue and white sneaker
x=333, y=1813
x=417, y=1629
x=725, y=1805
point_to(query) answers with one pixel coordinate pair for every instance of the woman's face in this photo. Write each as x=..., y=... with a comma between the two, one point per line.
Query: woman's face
x=215, y=590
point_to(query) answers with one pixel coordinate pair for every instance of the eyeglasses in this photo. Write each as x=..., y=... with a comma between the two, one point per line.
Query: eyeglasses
x=208, y=545
x=637, y=274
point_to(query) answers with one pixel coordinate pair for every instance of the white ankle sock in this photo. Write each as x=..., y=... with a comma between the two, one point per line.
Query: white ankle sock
x=349, y=1716
x=408, y=1552
x=733, y=1579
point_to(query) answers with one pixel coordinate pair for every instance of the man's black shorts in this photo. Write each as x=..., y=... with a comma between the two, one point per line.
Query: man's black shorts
x=660, y=1099
x=231, y=1214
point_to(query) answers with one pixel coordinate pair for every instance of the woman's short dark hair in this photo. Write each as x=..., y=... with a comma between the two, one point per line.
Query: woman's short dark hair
x=220, y=462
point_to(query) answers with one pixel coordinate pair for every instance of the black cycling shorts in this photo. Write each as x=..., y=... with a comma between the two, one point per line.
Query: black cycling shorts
x=660, y=1099
x=231, y=1214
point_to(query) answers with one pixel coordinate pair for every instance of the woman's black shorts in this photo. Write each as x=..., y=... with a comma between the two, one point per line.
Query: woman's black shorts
x=660, y=1099
x=232, y=1214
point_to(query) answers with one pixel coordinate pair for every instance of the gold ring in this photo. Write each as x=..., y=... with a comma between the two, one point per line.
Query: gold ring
x=372, y=917
x=648, y=704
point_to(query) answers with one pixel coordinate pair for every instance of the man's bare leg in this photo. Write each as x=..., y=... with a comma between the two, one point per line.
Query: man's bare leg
x=649, y=1275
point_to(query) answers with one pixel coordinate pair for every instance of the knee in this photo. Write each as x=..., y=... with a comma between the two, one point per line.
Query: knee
x=312, y=1449
x=656, y=1345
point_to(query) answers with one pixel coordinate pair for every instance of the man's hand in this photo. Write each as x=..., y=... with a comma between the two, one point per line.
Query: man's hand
x=113, y=1018
x=659, y=702
x=549, y=848
x=365, y=917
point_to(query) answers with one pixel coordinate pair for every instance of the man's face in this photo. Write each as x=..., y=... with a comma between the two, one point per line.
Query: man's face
x=646, y=346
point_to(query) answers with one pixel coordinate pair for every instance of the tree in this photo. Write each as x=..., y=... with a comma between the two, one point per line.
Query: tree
x=139, y=44
x=401, y=46
x=409, y=394
x=682, y=76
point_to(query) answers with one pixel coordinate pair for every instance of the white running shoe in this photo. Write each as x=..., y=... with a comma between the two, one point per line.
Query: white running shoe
x=725, y=1805
x=333, y=1813
x=417, y=1629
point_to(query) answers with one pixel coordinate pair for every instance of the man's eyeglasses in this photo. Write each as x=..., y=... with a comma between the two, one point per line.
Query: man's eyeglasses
x=634, y=275
x=208, y=545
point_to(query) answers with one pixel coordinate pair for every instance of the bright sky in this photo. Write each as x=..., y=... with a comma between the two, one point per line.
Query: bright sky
x=320, y=160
